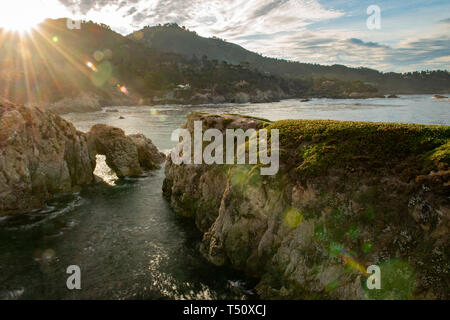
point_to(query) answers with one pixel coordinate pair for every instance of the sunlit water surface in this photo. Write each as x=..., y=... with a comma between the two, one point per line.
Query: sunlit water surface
x=127, y=241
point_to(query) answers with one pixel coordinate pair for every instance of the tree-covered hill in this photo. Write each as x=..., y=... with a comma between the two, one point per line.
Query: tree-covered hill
x=53, y=62
x=176, y=39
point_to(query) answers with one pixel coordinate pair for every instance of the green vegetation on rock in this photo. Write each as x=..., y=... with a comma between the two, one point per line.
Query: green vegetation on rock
x=348, y=195
x=322, y=144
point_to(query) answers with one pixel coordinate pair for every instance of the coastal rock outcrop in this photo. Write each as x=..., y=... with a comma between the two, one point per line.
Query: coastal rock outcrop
x=120, y=151
x=86, y=102
x=148, y=154
x=348, y=195
x=126, y=155
x=193, y=97
x=42, y=155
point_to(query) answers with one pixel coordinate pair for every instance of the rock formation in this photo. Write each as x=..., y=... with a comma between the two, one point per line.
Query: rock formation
x=348, y=195
x=120, y=151
x=42, y=155
x=148, y=155
x=126, y=155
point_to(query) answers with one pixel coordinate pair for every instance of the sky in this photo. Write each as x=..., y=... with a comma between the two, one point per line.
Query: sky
x=412, y=34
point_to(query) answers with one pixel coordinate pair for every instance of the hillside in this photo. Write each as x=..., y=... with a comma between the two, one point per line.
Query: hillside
x=81, y=70
x=172, y=38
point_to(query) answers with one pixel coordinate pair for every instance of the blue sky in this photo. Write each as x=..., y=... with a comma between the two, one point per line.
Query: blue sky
x=414, y=34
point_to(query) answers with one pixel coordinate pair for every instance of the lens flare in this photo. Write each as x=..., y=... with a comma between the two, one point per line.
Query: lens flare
x=293, y=217
x=91, y=66
x=347, y=258
x=123, y=89
x=99, y=56
x=22, y=15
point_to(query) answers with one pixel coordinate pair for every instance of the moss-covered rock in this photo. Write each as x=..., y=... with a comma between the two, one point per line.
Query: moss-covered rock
x=348, y=195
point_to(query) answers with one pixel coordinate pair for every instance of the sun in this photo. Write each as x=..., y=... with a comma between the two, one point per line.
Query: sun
x=21, y=26
x=22, y=15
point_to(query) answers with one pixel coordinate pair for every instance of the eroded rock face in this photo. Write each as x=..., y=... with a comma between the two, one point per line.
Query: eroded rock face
x=40, y=155
x=120, y=151
x=126, y=155
x=148, y=154
x=311, y=231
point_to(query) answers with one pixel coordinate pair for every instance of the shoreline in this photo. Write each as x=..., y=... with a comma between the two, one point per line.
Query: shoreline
x=93, y=104
x=304, y=192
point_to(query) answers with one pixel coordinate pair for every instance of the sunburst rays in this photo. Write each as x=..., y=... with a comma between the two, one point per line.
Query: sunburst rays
x=36, y=68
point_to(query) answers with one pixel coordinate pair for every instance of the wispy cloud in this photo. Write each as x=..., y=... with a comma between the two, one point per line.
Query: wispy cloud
x=230, y=18
x=314, y=31
x=361, y=43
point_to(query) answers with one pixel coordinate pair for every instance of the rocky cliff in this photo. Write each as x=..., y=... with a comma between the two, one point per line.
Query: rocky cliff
x=348, y=195
x=42, y=155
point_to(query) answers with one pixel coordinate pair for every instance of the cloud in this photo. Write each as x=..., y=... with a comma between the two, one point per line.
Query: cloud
x=84, y=6
x=131, y=11
x=334, y=47
x=223, y=18
x=359, y=42
x=289, y=29
x=430, y=51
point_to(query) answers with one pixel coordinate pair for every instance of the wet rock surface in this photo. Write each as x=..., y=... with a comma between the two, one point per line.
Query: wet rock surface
x=40, y=155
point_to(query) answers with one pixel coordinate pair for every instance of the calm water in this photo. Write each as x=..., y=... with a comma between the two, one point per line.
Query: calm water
x=127, y=241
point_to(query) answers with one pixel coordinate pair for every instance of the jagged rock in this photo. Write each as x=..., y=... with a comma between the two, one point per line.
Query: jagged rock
x=218, y=99
x=242, y=97
x=40, y=155
x=120, y=151
x=341, y=202
x=149, y=156
x=200, y=99
x=262, y=96
x=82, y=103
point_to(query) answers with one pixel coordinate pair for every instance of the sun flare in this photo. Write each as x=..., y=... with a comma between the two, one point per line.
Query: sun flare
x=20, y=26
x=23, y=15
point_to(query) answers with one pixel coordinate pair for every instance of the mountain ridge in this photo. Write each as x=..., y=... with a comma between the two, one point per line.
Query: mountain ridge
x=173, y=38
x=59, y=66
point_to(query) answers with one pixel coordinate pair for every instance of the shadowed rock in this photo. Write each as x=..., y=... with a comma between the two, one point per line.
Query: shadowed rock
x=149, y=156
x=120, y=151
x=42, y=155
x=348, y=195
